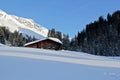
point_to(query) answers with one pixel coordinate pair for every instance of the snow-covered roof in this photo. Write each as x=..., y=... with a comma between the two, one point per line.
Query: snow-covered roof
x=55, y=39
x=50, y=38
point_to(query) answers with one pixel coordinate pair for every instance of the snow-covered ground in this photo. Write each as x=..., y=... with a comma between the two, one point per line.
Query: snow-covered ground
x=40, y=64
x=2, y=45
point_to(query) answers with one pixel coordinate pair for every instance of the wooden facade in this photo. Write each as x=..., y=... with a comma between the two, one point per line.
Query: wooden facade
x=45, y=44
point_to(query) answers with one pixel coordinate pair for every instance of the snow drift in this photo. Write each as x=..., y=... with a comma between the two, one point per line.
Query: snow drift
x=60, y=56
x=36, y=64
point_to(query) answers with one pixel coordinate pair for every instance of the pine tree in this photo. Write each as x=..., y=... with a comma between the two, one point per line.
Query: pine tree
x=2, y=36
x=66, y=42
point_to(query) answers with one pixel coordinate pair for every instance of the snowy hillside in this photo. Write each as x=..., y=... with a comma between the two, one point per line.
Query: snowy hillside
x=23, y=25
x=39, y=64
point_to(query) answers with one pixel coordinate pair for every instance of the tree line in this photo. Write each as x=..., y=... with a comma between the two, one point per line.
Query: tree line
x=13, y=38
x=101, y=37
x=63, y=37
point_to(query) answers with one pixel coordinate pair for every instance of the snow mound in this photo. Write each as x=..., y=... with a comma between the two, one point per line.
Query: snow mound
x=40, y=64
x=2, y=45
x=61, y=56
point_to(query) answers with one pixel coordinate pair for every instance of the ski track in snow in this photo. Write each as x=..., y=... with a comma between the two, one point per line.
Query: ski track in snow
x=60, y=56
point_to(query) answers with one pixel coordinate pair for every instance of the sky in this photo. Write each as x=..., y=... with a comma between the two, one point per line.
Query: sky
x=67, y=16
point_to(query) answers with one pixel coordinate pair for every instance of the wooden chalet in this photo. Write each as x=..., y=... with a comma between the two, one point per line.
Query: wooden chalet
x=46, y=43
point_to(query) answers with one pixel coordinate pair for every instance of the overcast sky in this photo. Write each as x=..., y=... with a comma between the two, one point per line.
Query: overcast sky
x=67, y=16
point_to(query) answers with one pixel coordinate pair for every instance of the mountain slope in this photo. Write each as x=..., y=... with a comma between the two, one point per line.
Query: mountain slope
x=23, y=25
